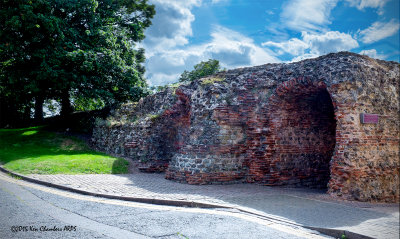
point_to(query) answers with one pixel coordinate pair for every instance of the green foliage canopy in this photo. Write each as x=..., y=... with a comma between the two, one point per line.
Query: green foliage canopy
x=55, y=49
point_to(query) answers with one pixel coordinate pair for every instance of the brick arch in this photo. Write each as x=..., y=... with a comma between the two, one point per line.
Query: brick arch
x=300, y=140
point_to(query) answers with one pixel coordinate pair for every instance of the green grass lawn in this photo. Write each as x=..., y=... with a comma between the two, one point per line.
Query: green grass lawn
x=37, y=151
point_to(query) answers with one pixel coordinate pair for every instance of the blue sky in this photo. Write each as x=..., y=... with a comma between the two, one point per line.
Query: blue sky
x=254, y=32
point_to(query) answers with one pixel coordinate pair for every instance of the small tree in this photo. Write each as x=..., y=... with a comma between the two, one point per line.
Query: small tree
x=203, y=69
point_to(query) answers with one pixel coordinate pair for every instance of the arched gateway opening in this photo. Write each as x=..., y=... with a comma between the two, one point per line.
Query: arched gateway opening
x=303, y=126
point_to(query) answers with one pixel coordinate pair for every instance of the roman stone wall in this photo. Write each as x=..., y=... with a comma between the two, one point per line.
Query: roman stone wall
x=365, y=165
x=294, y=124
x=142, y=131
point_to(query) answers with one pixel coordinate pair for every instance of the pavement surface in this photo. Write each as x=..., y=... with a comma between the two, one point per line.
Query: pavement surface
x=304, y=207
x=34, y=211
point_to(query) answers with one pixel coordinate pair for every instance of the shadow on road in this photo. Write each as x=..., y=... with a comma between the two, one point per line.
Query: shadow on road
x=304, y=206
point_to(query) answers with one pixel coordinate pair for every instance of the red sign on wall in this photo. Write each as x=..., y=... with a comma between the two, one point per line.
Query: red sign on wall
x=369, y=118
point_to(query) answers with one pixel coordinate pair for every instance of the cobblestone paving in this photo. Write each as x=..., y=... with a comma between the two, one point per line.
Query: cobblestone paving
x=302, y=206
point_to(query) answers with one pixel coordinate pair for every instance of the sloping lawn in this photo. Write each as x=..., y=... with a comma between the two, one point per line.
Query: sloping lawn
x=37, y=151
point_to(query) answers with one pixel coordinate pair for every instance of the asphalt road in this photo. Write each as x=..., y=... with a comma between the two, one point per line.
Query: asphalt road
x=31, y=211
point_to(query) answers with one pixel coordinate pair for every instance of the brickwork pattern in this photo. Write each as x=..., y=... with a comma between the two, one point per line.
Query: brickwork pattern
x=301, y=122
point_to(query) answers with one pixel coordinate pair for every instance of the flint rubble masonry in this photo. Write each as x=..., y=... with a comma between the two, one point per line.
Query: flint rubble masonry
x=296, y=124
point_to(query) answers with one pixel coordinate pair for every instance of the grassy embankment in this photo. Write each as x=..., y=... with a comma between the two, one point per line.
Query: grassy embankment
x=37, y=151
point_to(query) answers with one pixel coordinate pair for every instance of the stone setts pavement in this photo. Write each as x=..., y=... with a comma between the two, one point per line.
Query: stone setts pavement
x=306, y=207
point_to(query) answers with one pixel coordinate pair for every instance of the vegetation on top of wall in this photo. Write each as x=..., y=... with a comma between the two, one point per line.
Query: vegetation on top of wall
x=203, y=69
x=175, y=86
x=153, y=117
x=211, y=80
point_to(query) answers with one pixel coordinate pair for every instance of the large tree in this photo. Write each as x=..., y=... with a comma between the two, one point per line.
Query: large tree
x=55, y=49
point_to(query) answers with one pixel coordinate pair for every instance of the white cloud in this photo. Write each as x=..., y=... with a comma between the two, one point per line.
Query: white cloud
x=379, y=30
x=304, y=56
x=307, y=15
x=361, y=4
x=229, y=47
x=218, y=1
x=164, y=67
x=170, y=30
x=235, y=50
x=163, y=79
x=171, y=25
x=185, y=4
x=293, y=46
x=373, y=53
x=332, y=41
x=270, y=12
x=313, y=44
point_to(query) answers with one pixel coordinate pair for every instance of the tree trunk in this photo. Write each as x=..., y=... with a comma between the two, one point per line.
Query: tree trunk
x=66, y=107
x=26, y=117
x=39, y=100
